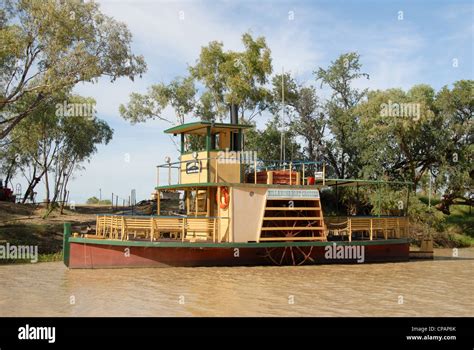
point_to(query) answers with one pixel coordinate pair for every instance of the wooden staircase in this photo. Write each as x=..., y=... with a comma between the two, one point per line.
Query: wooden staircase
x=297, y=219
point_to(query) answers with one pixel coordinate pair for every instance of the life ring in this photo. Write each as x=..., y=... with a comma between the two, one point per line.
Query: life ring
x=224, y=195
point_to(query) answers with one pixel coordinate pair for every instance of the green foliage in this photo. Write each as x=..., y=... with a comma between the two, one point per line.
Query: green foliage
x=53, y=144
x=342, y=151
x=393, y=138
x=95, y=200
x=454, y=170
x=387, y=200
x=303, y=110
x=226, y=76
x=49, y=46
x=267, y=142
x=434, y=139
x=461, y=219
x=235, y=77
x=179, y=94
x=419, y=212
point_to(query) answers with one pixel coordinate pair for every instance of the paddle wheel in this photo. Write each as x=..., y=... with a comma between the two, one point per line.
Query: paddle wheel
x=292, y=220
x=290, y=255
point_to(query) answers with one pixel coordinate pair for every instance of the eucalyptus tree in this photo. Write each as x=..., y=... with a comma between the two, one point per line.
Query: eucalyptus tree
x=403, y=133
x=49, y=46
x=225, y=77
x=341, y=150
x=302, y=108
x=53, y=146
x=455, y=170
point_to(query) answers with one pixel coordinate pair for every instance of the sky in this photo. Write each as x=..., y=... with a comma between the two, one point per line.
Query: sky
x=401, y=43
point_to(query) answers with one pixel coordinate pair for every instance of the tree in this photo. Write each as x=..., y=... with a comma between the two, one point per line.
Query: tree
x=80, y=139
x=49, y=46
x=303, y=109
x=34, y=141
x=235, y=77
x=410, y=135
x=265, y=141
x=227, y=77
x=179, y=94
x=53, y=146
x=403, y=133
x=455, y=172
x=341, y=152
x=95, y=200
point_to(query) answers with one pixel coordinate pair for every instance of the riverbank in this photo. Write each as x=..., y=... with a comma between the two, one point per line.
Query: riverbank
x=24, y=225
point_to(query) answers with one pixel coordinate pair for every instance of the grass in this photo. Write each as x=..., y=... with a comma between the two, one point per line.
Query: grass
x=462, y=218
x=457, y=228
x=50, y=257
x=48, y=238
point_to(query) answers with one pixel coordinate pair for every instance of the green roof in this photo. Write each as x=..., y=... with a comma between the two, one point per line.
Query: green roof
x=200, y=128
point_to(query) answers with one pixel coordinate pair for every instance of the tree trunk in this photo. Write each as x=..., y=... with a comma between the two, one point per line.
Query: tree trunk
x=64, y=194
x=46, y=184
x=31, y=186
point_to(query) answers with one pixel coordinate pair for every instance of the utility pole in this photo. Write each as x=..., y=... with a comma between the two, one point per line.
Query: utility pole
x=282, y=141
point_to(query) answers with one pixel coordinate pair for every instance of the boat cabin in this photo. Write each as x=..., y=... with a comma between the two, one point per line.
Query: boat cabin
x=209, y=152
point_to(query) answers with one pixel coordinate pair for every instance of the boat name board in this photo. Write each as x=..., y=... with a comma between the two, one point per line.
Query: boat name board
x=293, y=194
x=193, y=167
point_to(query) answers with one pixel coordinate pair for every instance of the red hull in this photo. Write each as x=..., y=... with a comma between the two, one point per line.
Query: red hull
x=92, y=255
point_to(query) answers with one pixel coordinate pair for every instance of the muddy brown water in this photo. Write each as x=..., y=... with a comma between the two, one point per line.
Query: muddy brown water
x=440, y=287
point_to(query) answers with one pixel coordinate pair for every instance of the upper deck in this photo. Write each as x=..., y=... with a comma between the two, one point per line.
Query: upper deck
x=212, y=154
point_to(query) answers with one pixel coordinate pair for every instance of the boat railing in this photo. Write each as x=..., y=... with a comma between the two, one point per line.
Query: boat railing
x=375, y=227
x=179, y=228
x=251, y=168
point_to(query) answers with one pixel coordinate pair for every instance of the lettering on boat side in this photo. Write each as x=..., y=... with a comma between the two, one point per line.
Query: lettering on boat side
x=37, y=333
x=293, y=194
x=345, y=252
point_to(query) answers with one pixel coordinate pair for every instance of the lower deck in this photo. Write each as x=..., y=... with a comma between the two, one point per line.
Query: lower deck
x=207, y=229
x=104, y=253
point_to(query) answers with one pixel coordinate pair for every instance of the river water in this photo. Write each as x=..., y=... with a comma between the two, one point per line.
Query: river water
x=440, y=287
